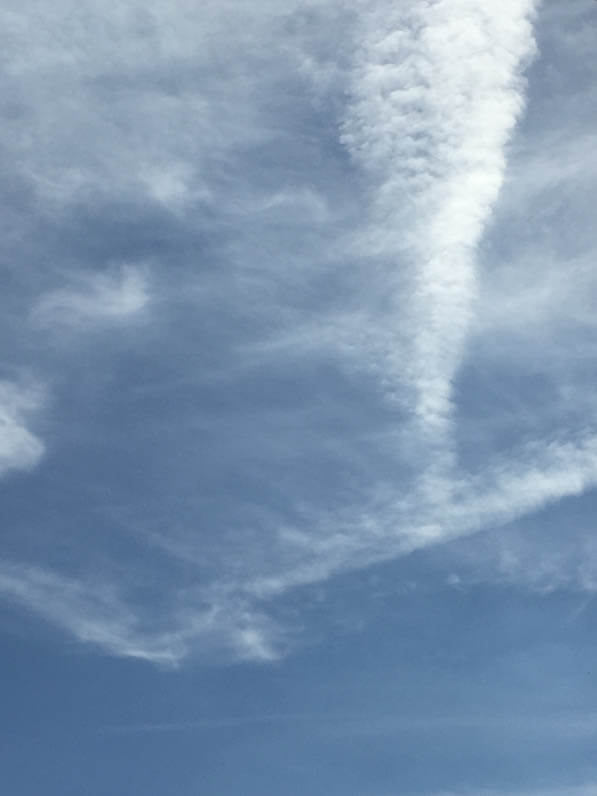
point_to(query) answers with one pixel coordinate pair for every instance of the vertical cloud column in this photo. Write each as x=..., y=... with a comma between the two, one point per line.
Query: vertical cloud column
x=436, y=92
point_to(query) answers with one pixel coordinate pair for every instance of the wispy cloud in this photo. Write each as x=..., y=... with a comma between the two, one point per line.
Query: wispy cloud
x=20, y=449
x=99, y=612
x=98, y=299
x=562, y=790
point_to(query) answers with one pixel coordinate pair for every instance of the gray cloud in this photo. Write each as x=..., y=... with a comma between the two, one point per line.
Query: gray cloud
x=100, y=299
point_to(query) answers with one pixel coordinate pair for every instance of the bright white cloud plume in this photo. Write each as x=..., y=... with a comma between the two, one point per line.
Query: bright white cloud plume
x=96, y=613
x=436, y=94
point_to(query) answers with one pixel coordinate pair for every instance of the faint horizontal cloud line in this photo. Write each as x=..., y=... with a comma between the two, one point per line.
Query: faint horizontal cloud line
x=386, y=722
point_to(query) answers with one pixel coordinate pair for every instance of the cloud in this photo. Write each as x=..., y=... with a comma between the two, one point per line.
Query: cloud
x=98, y=300
x=436, y=95
x=96, y=613
x=129, y=104
x=92, y=615
x=438, y=510
x=20, y=449
x=305, y=404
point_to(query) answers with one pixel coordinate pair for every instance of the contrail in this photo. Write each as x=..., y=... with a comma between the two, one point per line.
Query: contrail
x=436, y=93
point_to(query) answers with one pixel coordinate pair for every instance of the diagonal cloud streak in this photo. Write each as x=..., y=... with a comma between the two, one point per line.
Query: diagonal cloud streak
x=100, y=300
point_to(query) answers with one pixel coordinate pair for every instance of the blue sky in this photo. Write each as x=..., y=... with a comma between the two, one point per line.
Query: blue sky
x=298, y=445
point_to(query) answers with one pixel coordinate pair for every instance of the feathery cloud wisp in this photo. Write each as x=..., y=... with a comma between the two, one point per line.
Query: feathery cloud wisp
x=102, y=299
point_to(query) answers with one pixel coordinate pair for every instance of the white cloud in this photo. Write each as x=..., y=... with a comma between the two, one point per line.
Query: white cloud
x=436, y=95
x=20, y=449
x=95, y=300
x=121, y=100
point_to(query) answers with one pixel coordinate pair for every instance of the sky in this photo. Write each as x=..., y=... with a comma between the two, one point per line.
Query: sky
x=298, y=426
